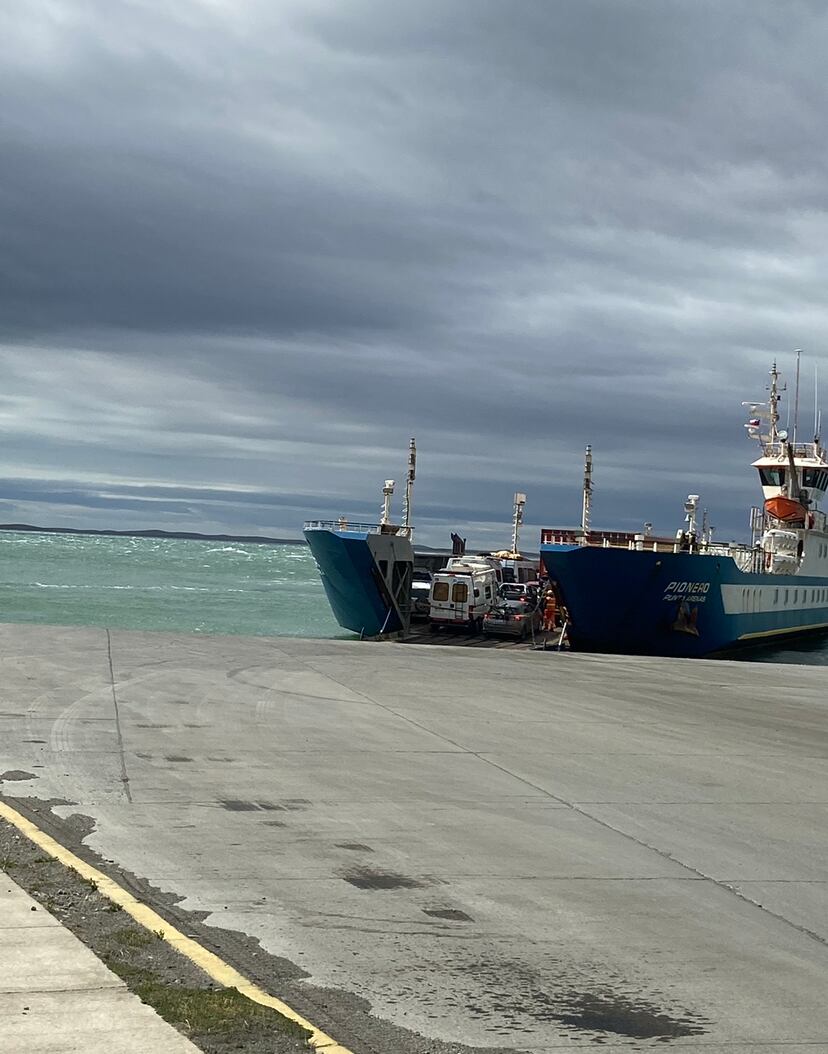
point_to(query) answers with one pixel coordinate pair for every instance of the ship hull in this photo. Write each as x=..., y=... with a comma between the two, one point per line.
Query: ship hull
x=678, y=604
x=363, y=576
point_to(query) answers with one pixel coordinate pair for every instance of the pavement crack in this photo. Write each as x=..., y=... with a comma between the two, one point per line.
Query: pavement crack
x=719, y=883
x=124, y=775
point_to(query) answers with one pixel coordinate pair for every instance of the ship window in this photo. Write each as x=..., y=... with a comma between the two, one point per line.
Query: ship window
x=796, y=596
x=814, y=477
x=439, y=591
x=772, y=477
x=786, y=596
x=460, y=593
x=776, y=596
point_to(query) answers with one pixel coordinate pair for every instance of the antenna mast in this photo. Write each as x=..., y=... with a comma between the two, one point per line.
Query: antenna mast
x=517, y=520
x=409, y=483
x=387, y=493
x=773, y=404
x=586, y=510
x=796, y=395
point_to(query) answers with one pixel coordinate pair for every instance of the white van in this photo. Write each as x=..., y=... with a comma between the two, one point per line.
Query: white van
x=464, y=591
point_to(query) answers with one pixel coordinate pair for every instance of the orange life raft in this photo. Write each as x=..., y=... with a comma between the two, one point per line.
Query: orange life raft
x=786, y=509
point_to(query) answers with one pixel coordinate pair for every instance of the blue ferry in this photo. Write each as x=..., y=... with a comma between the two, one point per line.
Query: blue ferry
x=371, y=581
x=691, y=597
x=367, y=568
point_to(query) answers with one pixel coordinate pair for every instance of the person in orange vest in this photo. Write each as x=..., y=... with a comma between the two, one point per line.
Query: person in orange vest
x=550, y=611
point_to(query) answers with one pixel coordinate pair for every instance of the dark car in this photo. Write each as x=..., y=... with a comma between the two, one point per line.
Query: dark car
x=420, y=590
x=527, y=592
x=512, y=618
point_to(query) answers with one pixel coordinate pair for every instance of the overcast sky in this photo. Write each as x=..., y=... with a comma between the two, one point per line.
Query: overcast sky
x=250, y=247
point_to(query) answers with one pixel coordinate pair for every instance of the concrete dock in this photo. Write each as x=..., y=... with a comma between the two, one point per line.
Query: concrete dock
x=501, y=849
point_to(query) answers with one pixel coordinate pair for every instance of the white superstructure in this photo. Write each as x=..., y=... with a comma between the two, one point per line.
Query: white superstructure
x=794, y=479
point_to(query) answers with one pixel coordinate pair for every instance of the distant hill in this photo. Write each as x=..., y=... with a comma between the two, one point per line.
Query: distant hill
x=192, y=535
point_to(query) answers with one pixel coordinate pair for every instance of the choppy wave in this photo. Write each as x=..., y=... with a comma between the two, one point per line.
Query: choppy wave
x=166, y=584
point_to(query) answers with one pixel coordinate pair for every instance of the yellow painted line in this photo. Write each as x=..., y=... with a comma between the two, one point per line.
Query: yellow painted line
x=788, y=629
x=211, y=964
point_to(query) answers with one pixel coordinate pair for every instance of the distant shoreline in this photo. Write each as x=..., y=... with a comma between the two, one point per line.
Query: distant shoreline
x=186, y=535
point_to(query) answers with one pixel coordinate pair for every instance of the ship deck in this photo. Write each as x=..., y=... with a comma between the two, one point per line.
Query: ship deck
x=421, y=634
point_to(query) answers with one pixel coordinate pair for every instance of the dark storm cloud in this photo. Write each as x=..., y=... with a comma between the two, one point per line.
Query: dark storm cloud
x=249, y=248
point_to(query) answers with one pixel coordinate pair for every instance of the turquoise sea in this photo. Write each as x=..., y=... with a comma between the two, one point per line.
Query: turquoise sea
x=194, y=587
x=163, y=584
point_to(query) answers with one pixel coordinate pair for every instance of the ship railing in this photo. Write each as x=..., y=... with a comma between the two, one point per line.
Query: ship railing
x=807, y=451
x=746, y=557
x=343, y=525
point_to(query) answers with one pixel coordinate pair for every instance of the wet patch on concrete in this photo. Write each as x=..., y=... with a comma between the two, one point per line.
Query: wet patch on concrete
x=296, y=804
x=41, y=741
x=511, y=996
x=17, y=774
x=622, y=1017
x=149, y=724
x=373, y=878
x=176, y=757
x=356, y=847
x=274, y=823
x=223, y=760
x=452, y=914
x=288, y=805
x=141, y=754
